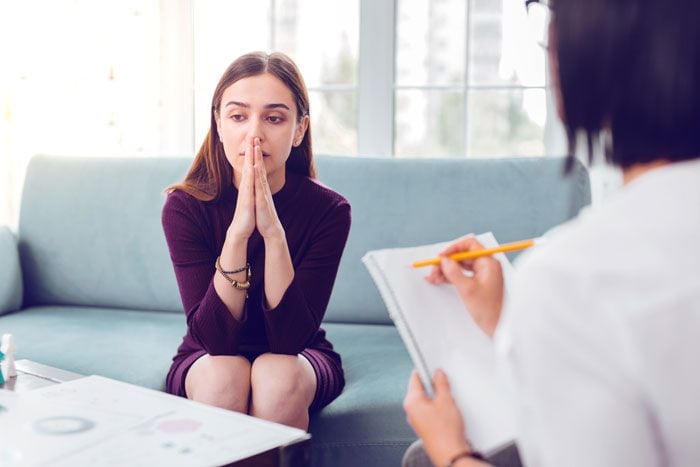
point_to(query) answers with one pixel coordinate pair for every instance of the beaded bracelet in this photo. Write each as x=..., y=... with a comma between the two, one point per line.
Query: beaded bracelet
x=234, y=283
x=244, y=268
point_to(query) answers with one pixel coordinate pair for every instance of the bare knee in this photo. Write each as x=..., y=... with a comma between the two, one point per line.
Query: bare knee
x=283, y=388
x=222, y=381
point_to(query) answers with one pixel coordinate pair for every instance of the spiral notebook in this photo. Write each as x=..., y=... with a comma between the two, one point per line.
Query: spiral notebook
x=439, y=332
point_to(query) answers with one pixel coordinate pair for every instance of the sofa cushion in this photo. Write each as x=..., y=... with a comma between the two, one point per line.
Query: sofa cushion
x=10, y=273
x=366, y=425
x=132, y=346
x=90, y=232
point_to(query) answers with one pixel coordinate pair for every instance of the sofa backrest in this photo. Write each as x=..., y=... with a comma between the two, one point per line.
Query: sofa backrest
x=406, y=202
x=90, y=231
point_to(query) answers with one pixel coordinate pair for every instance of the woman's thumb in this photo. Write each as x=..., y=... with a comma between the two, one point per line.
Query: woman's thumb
x=454, y=273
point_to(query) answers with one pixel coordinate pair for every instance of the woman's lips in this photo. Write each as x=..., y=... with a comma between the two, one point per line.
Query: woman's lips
x=243, y=154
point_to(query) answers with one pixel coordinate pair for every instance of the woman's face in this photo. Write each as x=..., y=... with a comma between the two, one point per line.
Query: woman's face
x=260, y=107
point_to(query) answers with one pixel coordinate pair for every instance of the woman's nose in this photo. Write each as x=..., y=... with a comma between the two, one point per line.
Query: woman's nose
x=254, y=131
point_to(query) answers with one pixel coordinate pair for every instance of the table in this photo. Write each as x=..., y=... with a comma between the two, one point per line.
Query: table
x=39, y=381
x=33, y=375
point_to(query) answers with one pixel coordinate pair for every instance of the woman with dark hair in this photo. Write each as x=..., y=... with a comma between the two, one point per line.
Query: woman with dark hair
x=600, y=333
x=255, y=243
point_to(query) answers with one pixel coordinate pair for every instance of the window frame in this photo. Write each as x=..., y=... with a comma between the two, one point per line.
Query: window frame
x=376, y=84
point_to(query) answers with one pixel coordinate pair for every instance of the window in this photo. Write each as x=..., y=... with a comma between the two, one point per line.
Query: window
x=406, y=78
x=78, y=78
x=418, y=78
x=320, y=35
x=458, y=88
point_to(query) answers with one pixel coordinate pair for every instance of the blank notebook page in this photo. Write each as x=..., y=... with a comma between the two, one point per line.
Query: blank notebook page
x=439, y=332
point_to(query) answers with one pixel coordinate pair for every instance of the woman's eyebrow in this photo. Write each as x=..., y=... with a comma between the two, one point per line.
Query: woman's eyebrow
x=268, y=106
x=277, y=106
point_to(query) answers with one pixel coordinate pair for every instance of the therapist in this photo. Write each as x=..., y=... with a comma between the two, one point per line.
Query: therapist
x=601, y=332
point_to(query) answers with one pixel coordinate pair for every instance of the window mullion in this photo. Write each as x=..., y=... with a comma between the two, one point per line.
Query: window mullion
x=467, y=29
x=375, y=119
x=177, y=77
x=555, y=141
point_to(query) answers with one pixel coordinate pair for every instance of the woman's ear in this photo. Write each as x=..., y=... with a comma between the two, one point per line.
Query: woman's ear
x=301, y=130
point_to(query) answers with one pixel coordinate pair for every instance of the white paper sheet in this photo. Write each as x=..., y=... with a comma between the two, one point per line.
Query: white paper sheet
x=439, y=333
x=97, y=421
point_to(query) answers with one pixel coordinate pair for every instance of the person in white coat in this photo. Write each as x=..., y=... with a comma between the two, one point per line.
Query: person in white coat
x=600, y=334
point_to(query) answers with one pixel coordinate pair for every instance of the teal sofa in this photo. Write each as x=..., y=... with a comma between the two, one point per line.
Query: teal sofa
x=87, y=285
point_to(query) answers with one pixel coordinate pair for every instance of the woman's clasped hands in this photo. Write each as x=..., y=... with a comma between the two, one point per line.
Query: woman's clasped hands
x=255, y=207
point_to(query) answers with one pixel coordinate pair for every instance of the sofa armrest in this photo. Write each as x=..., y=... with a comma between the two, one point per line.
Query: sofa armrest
x=10, y=273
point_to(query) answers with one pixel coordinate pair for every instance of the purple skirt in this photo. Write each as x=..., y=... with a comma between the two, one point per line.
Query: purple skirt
x=326, y=363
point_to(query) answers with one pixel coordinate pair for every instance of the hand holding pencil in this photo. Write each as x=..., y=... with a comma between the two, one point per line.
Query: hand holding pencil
x=481, y=290
x=474, y=253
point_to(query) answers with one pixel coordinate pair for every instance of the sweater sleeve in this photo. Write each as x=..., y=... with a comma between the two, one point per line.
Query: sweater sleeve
x=294, y=322
x=208, y=319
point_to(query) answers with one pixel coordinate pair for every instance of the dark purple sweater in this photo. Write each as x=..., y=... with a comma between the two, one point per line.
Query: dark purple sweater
x=316, y=221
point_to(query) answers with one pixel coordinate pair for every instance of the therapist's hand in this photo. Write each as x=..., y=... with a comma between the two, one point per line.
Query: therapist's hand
x=479, y=282
x=438, y=421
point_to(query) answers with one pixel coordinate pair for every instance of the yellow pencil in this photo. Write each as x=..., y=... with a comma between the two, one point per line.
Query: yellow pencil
x=476, y=253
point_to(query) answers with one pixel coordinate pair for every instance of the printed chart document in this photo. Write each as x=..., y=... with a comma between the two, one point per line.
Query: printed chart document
x=439, y=332
x=96, y=421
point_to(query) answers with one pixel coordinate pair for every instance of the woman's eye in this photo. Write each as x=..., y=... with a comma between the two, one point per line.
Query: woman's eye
x=237, y=117
x=274, y=119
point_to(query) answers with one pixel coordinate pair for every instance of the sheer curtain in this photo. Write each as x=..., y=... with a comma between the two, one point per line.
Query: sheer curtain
x=84, y=78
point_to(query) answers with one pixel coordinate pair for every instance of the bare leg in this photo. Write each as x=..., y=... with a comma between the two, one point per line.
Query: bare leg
x=222, y=381
x=283, y=389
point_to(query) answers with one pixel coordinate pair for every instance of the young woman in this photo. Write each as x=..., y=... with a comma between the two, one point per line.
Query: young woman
x=600, y=332
x=256, y=242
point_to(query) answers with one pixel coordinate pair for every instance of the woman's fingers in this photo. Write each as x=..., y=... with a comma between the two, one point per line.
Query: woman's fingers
x=415, y=392
x=482, y=292
x=454, y=274
x=243, y=222
x=262, y=189
x=246, y=189
x=436, y=276
x=466, y=243
x=258, y=162
x=266, y=218
x=257, y=152
x=261, y=182
x=441, y=384
x=260, y=192
x=250, y=154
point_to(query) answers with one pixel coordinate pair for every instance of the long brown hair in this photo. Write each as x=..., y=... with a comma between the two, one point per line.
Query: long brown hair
x=211, y=172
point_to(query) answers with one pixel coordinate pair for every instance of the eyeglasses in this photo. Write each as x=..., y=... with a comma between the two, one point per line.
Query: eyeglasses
x=539, y=14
